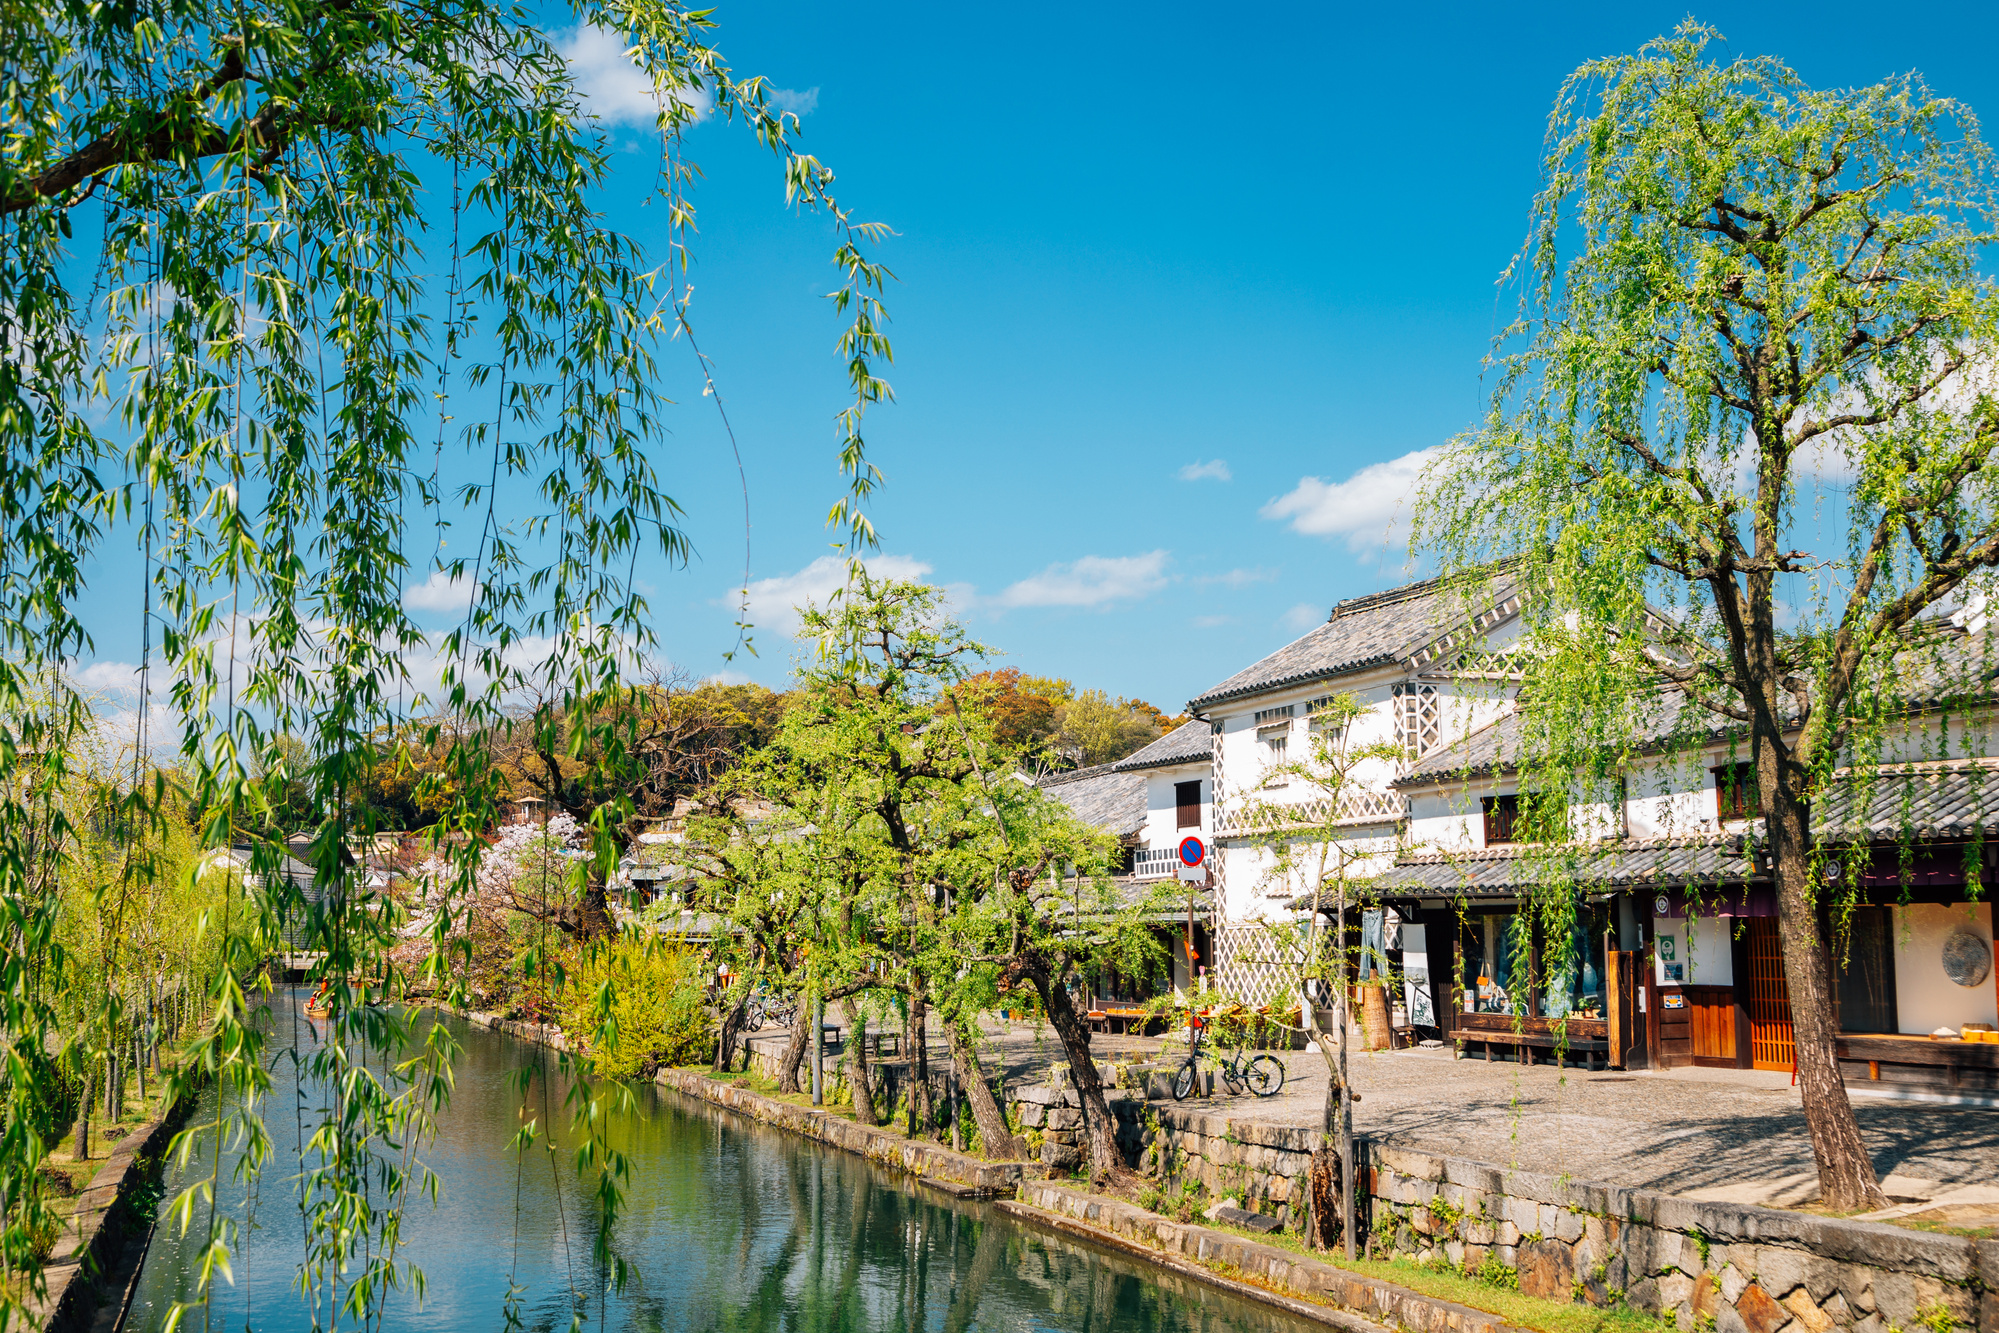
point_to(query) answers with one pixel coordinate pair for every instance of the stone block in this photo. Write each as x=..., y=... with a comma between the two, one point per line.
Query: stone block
x=1506, y=1234
x=1759, y=1311
x=1061, y=1156
x=1733, y=1280
x=1726, y=1320
x=1546, y=1269
x=1522, y=1213
x=1033, y=1115
x=1781, y=1271
x=1596, y=1234
x=1895, y=1297
x=1568, y=1226
x=1837, y=1311
x=1675, y=1291
x=1799, y=1303
x=1546, y=1218
x=1705, y=1299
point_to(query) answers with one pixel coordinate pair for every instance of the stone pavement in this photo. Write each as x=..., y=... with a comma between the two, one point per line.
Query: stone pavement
x=1721, y=1134
x=1736, y=1134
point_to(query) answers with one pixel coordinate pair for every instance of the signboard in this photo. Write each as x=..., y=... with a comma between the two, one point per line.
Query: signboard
x=1192, y=853
x=1670, y=1000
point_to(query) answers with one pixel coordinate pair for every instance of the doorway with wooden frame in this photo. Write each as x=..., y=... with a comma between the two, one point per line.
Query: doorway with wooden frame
x=1771, y=1044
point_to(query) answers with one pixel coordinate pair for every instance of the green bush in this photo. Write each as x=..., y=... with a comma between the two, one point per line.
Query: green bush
x=656, y=996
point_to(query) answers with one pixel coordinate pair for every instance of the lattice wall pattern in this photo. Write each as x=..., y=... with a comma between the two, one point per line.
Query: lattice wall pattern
x=1250, y=964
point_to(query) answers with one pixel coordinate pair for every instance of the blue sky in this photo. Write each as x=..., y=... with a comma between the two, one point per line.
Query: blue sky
x=1181, y=290
x=1178, y=290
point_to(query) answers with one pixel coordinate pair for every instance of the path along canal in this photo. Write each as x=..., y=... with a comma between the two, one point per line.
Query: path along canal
x=729, y=1225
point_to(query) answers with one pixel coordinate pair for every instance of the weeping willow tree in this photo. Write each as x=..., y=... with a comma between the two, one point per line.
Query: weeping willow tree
x=1740, y=447
x=289, y=291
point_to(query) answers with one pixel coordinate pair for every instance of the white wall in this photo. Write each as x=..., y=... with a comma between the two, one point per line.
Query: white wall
x=1926, y=999
x=1701, y=947
x=1162, y=807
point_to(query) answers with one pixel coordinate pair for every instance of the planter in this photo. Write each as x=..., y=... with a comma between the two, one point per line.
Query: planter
x=1378, y=1035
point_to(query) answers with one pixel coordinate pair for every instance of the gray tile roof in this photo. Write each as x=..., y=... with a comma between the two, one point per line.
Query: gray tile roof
x=1189, y=743
x=1945, y=800
x=1906, y=804
x=1362, y=632
x=1102, y=796
x=1631, y=863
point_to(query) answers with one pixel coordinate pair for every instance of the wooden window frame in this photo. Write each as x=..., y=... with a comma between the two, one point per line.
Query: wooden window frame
x=1502, y=819
x=1187, y=813
x=1736, y=795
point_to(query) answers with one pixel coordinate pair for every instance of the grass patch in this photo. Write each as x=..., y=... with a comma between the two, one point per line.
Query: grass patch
x=1541, y=1313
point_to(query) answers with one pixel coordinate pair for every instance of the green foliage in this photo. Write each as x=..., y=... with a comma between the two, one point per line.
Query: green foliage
x=343, y=280
x=656, y=993
x=1495, y=1272
x=1738, y=453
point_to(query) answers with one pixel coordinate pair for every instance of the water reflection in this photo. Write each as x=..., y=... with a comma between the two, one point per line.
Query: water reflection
x=729, y=1226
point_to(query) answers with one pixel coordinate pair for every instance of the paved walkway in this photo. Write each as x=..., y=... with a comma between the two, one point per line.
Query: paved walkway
x=1722, y=1134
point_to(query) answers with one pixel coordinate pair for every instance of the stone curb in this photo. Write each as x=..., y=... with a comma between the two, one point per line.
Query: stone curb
x=96, y=1225
x=1370, y=1299
x=971, y=1176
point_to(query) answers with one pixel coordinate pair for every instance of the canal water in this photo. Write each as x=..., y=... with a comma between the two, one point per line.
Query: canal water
x=729, y=1225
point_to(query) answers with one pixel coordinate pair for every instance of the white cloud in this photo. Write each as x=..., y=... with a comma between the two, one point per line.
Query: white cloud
x=615, y=89
x=1302, y=617
x=108, y=678
x=1214, y=470
x=440, y=592
x=774, y=603
x=1091, y=581
x=1239, y=578
x=1370, y=509
x=725, y=678
x=797, y=103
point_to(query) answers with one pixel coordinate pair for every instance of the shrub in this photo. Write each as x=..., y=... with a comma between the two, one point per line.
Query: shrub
x=658, y=1001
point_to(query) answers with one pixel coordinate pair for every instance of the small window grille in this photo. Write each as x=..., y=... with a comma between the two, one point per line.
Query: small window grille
x=1735, y=791
x=1282, y=714
x=1418, y=727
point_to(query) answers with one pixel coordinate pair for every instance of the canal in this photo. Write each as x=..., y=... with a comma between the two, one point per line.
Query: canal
x=729, y=1225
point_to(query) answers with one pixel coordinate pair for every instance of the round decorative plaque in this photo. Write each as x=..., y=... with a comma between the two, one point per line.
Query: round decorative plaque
x=1967, y=960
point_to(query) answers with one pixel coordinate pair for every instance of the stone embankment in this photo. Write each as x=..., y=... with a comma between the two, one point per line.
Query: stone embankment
x=103, y=1222
x=1270, y=1268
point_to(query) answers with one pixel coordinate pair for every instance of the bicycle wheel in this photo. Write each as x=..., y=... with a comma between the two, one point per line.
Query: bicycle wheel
x=1183, y=1081
x=1232, y=1075
x=1265, y=1075
x=753, y=1017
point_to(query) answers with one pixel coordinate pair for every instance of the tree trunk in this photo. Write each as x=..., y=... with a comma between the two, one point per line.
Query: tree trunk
x=794, y=1050
x=857, y=1071
x=732, y=1031
x=1106, y=1162
x=1847, y=1182
x=83, y=1114
x=1000, y=1144
x=915, y=1042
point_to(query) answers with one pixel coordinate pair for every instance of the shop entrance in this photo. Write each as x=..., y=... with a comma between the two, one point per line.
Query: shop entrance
x=1770, y=1041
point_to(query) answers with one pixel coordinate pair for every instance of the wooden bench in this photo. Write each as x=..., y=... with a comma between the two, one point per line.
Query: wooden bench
x=1587, y=1048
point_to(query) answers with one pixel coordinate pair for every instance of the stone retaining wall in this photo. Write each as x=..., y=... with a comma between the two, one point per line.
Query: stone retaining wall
x=100, y=1225
x=1380, y=1302
x=1729, y=1267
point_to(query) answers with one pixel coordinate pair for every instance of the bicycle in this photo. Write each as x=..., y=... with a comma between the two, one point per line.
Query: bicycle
x=1262, y=1074
x=767, y=1008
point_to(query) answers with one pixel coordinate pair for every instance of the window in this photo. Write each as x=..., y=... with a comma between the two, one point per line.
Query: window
x=1276, y=741
x=1502, y=813
x=1279, y=714
x=1735, y=792
x=1187, y=797
x=1418, y=727
x=1321, y=721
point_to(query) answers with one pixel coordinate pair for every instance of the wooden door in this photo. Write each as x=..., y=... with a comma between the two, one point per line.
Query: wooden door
x=1770, y=1042
x=1711, y=1020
